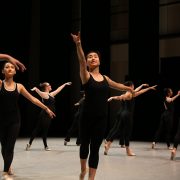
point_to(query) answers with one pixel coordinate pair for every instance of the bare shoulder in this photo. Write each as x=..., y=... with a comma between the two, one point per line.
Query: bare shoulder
x=107, y=78
x=19, y=87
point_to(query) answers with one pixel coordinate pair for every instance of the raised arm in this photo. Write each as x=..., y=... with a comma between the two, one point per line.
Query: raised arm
x=54, y=93
x=34, y=100
x=170, y=99
x=84, y=74
x=14, y=61
x=43, y=94
x=141, y=86
x=144, y=90
x=127, y=96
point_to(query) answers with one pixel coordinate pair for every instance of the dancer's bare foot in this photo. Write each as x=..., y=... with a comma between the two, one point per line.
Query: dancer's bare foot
x=82, y=174
x=153, y=145
x=129, y=152
x=173, y=154
x=10, y=172
x=123, y=146
x=106, y=146
x=170, y=148
x=6, y=176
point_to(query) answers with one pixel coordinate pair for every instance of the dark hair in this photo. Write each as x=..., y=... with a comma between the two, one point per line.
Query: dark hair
x=43, y=85
x=4, y=63
x=166, y=91
x=128, y=83
x=94, y=51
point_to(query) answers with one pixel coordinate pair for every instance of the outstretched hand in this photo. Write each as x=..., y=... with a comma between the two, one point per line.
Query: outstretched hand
x=76, y=38
x=50, y=113
x=110, y=99
x=68, y=83
x=17, y=64
x=153, y=87
x=33, y=89
x=146, y=85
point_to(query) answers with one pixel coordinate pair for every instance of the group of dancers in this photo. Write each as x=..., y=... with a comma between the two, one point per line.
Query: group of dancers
x=92, y=115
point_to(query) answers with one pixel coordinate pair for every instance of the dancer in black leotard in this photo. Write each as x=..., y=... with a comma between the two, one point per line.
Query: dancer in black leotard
x=48, y=98
x=124, y=120
x=75, y=124
x=93, y=118
x=10, y=114
x=166, y=121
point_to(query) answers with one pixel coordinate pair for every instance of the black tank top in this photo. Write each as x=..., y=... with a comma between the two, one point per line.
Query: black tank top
x=169, y=106
x=9, y=109
x=50, y=103
x=128, y=105
x=96, y=95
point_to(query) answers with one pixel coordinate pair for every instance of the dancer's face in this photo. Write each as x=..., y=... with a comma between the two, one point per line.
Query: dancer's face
x=9, y=70
x=93, y=60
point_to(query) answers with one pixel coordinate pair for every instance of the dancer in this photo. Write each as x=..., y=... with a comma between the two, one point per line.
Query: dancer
x=10, y=114
x=48, y=98
x=75, y=125
x=176, y=142
x=166, y=120
x=93, y=120
x=124, y=121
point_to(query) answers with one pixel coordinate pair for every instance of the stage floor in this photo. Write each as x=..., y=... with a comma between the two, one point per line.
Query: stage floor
x=62, y=162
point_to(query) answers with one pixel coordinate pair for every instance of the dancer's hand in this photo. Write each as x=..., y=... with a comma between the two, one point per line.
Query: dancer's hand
x=33, y=89
x=68, y=83
x=76, y=38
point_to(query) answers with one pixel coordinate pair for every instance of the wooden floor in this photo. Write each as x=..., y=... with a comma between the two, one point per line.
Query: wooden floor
x=62, y=162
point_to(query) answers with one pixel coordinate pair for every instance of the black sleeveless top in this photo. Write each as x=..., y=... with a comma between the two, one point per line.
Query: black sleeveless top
x=169, y=106
x=128, y=105
x=50, y=103
x=96, y=95
x=9, y=109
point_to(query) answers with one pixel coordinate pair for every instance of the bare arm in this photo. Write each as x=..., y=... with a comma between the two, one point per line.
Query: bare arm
x=127, y=96
x=34, y=100
x=84, y=74
x=14, y=61
x=54, y=93
x=168, y=99
x=42, y=94
x=145, y=90
x=118, y=86
x=141, y=86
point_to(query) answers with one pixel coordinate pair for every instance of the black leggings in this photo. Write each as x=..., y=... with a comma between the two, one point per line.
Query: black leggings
x=74, y=128
x=166, y=123
x=92, y=131
x=123, y=124
x=8, y=136
x=43, y=126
